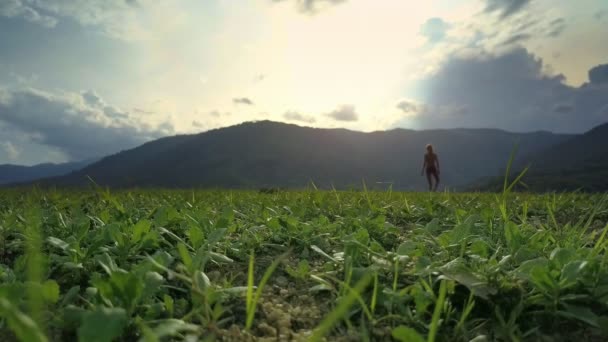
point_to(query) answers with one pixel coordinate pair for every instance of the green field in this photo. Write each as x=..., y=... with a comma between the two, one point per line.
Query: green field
x=345, y=266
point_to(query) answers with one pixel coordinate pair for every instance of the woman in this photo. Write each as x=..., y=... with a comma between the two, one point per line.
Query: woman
x=431, y=164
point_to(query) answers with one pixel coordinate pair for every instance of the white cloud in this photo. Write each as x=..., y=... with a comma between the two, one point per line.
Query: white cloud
x=11, y=150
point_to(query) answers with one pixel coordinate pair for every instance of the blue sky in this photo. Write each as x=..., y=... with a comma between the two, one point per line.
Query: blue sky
x=86, y=78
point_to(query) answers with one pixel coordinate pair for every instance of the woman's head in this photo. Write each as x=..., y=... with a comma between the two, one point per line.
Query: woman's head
x=429, y=148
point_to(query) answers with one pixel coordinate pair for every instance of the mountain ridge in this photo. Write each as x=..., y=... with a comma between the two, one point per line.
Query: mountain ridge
x=273, y=154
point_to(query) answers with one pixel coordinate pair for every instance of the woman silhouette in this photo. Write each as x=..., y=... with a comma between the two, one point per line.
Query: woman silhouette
x=431, y=164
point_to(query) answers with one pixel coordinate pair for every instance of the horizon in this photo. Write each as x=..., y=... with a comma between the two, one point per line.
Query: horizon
x=95, y=159
x=81, y=80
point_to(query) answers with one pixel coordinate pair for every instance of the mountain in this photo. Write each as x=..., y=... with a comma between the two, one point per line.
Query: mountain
x=271, y=154
x=18, y=174
x=580, y=163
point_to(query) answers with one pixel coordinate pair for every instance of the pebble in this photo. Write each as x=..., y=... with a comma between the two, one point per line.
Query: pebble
x=281, y=281
x=267, y=330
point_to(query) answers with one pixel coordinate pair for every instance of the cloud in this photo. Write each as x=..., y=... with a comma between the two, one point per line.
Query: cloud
x=518, y=38
x=115, y=18
x=312, y=6
x=599, y=74
x=217, y=113
x=511, y=91
x=11, y=150
x=18, y=9
x=601, y=14
x=295, y=116
x=242, y=100
x=409, y=107
x=344, y=113
x=197, y=124
x=563, y=108
x=434, y=29
x=259, y=78
x=79, y=125
x=505, y=8
x=556, y=27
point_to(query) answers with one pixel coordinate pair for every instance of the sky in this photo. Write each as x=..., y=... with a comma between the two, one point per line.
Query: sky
x=81, y=79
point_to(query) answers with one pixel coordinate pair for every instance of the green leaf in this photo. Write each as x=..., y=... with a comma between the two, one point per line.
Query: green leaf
x=185, y=255
x=582, y=314
x=562, y=256
x=152, y=284
x=50, y=291
x=320, y=251
x=172, y=327
x=20, y=324
x=70, y=295
x=102, y=325
x=220, y=258
x=201, y=281
x=58, y=243
x=571, y=272
x=456, y=270
x=525, y=269
x=406, y=334
x=169, y=304
x=216, y=235
x=407, y=248
x=141, y=228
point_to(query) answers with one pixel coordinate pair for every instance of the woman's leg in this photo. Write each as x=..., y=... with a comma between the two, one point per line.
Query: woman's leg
x=436, y=180
x=428, y=179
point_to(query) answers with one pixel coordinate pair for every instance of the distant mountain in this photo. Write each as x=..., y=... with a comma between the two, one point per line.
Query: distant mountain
x=271, y=154
x=580, y=163
x=18, y=174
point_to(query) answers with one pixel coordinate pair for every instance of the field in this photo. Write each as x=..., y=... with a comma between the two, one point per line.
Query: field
x=166, y=265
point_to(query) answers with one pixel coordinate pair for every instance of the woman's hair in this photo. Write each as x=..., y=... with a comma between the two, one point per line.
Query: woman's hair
x=429, y=148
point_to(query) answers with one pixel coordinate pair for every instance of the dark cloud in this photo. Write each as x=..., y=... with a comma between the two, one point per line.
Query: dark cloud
x=563, y=108
x=79, y=125
x=599, y=74
x=509, y=91
x=312, y=6
x=601, y=14
x=434, y=29
x=92, y=98
x=603, y=112
x=197, y=124
x=242, y=100
x=515, y=39
x=344, y=113
x=505, y=8
x=295, y=116
x=408, y=107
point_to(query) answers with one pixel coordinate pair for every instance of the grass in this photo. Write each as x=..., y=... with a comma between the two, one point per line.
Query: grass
x=157, y=265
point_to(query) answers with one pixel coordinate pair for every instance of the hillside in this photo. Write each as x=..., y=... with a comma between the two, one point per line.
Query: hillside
x=271, y=154
x=17, y=173
x=580, y=163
